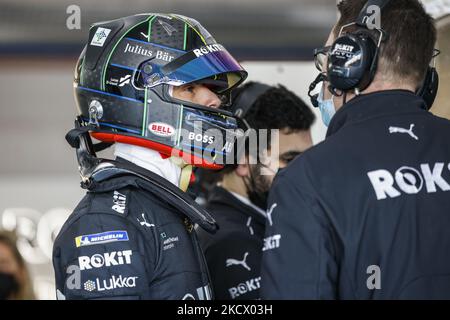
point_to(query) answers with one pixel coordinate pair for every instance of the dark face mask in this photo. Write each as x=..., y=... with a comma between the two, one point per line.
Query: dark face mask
x=8, y=285
x=257, y=187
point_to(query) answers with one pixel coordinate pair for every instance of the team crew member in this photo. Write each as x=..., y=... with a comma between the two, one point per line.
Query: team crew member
x=239, y=203
x=366, y=213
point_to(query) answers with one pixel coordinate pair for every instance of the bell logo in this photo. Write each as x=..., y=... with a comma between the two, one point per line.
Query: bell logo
x=409, y=180
x=161, y=129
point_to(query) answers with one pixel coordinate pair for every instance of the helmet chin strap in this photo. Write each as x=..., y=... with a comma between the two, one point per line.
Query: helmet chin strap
x=186, y=169
x=186, y=172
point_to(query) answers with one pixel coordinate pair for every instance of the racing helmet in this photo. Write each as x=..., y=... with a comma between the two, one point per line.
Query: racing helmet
x=124, y=80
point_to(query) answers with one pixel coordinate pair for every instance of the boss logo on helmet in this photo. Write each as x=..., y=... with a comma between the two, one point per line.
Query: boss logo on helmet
x=343, y=50
x=201, y=138
x=208, y=49
x=161, y=129
x=409, y=180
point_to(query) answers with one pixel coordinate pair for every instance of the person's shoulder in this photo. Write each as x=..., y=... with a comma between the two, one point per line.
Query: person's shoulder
x=109, y=209
x=442, y=123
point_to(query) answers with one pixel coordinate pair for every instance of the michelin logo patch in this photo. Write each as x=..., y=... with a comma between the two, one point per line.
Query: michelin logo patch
x=99, y=238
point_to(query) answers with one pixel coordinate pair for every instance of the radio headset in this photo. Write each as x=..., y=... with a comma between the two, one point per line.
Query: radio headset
x=353, y=59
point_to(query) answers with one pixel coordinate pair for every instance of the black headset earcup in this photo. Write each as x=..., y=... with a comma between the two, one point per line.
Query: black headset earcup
x=429, y=88
x=351, y=62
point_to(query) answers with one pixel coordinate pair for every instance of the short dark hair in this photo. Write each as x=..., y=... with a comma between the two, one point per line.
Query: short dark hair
x=408, y=50
x=277, y=108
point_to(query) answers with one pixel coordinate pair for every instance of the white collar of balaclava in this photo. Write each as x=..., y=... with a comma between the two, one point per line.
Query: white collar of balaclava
x=150, y=160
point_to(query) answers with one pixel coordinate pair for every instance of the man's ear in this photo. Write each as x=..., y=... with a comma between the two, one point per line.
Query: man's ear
x=243, y=170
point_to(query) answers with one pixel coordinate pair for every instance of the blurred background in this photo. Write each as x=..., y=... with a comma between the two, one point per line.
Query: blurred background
x=39, y=44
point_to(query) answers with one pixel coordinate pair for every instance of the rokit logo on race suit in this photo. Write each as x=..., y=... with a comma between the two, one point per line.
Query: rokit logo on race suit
x=106, y=259
x=271, y=242
x=244, y=287
x=115, y=282
x=119, y=202
x=409, y=180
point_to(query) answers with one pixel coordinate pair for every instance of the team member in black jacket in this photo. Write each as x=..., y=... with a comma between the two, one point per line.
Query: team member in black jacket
x=238, y=205
x=366, y=213
x=152, y=84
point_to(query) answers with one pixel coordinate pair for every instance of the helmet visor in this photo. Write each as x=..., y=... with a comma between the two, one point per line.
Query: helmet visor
x=212, y=63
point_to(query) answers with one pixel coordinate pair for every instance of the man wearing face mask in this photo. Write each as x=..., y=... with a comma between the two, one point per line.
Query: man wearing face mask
x=239, y=202
x=152, y=84
x=365, y=214
x=15, y=281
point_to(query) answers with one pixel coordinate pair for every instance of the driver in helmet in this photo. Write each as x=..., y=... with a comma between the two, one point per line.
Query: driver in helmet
x=152, y=85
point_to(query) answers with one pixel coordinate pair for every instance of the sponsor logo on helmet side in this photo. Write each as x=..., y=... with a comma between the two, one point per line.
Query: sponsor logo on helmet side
x=101, y=238
x=204, y=138
x=409, y=180
x=208, y=49
x=115, y=282
x=161, y=129
x=122, y=81
x=106, y=259
x=100, y=36
x=245, y=287
x=143, y=51
x=272, y=242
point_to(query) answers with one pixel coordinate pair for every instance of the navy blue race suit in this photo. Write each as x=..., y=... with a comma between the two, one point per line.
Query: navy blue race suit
x=131, y=237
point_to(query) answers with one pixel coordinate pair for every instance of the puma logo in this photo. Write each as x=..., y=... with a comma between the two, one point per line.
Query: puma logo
x=235, y=262
x=144, y=222
x=269, y=214
x=403, y=130
x=249, y=221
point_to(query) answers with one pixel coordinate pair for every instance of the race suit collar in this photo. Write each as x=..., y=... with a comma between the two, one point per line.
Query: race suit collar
x=150, y=160
x=376, y=104
x=116, y=174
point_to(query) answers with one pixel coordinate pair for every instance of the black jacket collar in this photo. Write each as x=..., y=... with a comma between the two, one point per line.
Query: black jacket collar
x=371, y=105
x=223, y=197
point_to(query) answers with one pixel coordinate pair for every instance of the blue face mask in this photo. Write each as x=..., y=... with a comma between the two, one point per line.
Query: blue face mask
x=326, y=108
